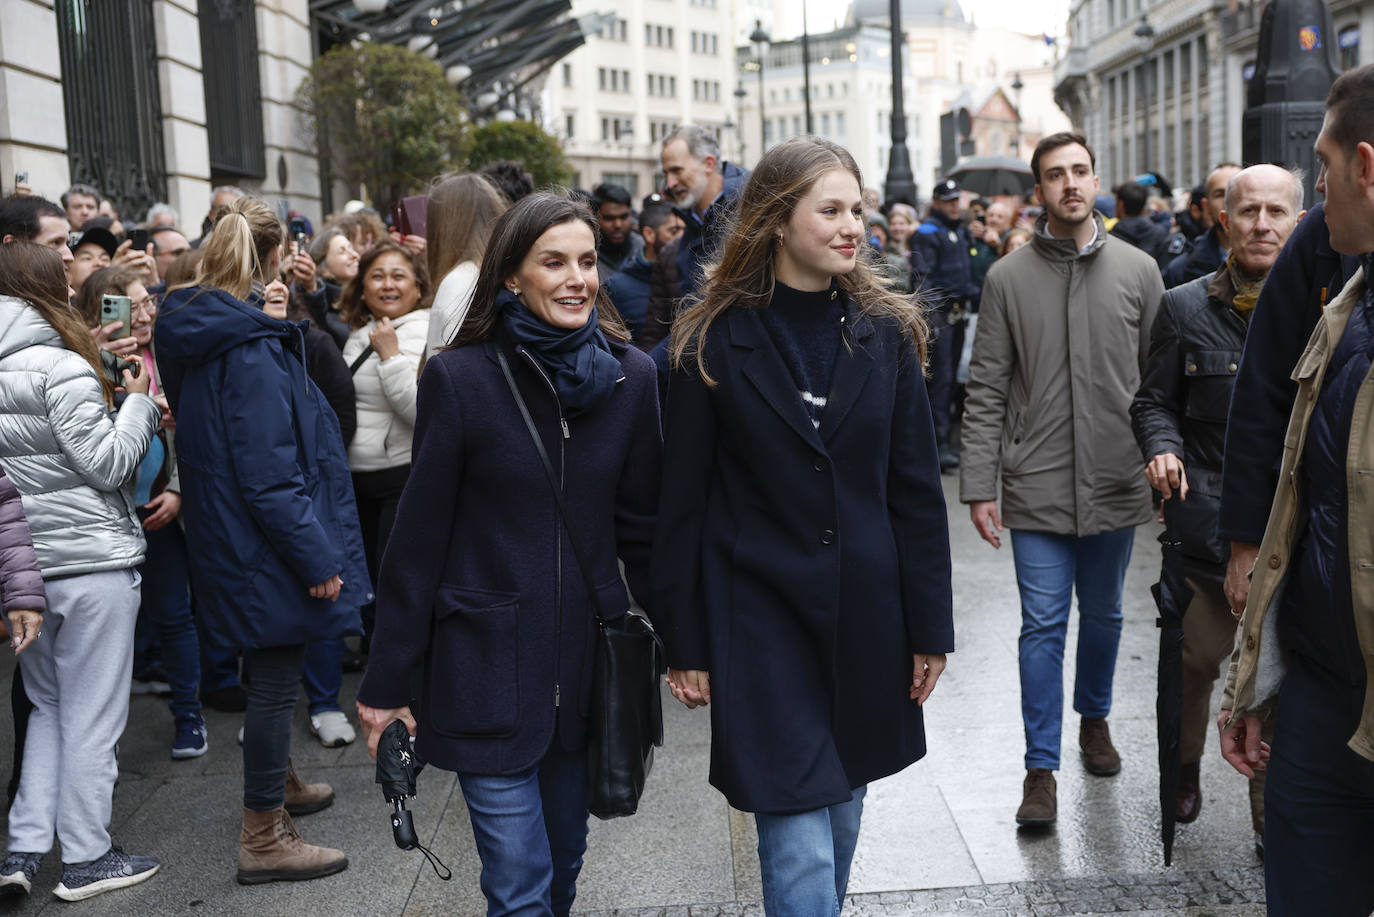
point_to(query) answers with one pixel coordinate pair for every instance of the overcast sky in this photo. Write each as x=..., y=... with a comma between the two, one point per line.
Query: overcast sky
x=1034, y=17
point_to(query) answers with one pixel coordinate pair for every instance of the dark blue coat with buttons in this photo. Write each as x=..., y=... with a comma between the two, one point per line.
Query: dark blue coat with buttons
x=941, y=263
x=803, y=567
x=267, y=497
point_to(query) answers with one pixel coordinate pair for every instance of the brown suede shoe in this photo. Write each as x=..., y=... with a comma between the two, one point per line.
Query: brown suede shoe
x=303, y=798
x=270, y=850
x=1188, y=802
x=1039, y=806
x=1095, y=741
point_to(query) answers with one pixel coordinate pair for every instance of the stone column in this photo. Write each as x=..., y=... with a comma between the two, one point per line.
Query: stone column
x=33, y=124
x=284, y=57
x=186, y=142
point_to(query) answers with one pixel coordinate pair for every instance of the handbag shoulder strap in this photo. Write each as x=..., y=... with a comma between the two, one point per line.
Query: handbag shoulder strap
x=554, y=483
x=361, y=359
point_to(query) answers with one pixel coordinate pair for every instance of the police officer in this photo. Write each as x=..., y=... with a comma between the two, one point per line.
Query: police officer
x=941, y=267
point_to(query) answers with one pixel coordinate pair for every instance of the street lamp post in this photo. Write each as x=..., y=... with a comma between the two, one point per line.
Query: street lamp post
x=739, y=128
x=900, y=185
x=1016, y=87
x=760, y=39
x=627, y=133
x=1145, y=40
x=806, y=71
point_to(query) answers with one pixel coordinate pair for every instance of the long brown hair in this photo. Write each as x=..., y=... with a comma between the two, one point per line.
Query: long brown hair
x=742, y=275
x=511, y=240
x=351, y=307
x=237, y=252
x=36, y=274
x=461, y=211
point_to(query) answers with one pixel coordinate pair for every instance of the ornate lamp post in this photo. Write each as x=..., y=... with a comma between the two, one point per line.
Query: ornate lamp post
x=900, y=185
x=1016, y=87
x=760, y=39
x=806, y=71
x=739, y=128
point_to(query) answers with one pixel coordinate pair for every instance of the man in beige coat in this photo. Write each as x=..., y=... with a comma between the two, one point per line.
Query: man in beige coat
x=1307, y=631
x=1062, y=336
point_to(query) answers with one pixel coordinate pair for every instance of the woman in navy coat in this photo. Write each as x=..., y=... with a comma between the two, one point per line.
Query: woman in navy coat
x=479, y=587
x=801, y=575
x=275, y=550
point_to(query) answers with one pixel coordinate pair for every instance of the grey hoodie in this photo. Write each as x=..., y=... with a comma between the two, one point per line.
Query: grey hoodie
x=69, y=458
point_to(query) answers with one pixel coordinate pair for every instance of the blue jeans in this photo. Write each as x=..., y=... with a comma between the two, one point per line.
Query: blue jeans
x=323, y=674
x=531, y=833
x=805, y=858
x=1318, y=801
x=1049, y=568
x=272, y=689
x=167, y=603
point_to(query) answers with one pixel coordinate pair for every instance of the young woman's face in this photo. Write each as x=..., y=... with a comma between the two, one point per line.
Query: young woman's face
x=557, y=280
x=142, y=312
x=341, y=262
x=389, y=287
x=822, y=237
x=900, y=226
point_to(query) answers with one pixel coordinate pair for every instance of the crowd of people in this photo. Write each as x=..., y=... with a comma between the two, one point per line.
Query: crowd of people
x=238, y=462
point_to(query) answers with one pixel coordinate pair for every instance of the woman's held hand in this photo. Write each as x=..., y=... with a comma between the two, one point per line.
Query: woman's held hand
x=329, y=589
x=690, y=686
x=383, y=340
x=25, y=626
x=376, y=720
x=924, y=674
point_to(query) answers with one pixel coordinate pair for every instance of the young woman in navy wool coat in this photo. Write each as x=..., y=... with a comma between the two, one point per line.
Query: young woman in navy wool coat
x=801, y=564
x=479, y=586
x=272, y=533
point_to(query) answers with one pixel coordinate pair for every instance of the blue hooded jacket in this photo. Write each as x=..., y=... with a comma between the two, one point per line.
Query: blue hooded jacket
x=267, y=496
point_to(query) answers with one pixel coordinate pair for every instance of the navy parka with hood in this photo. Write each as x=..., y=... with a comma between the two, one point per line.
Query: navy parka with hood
x=479, y=587
x=803, y=567
x=266, y=494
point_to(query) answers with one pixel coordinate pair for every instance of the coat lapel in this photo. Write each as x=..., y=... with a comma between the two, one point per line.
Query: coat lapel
x=851, y=369
x=765, y=369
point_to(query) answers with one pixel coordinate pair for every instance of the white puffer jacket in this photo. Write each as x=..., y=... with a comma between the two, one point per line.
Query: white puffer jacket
x=385, y=394
x=71, y=461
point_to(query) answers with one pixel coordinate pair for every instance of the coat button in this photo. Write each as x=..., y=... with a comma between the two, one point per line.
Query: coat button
x=1192, y=367
x=1250, y=642
x=1232, y=367
x=1274, y=562
x=819, y=466
x=828, y=536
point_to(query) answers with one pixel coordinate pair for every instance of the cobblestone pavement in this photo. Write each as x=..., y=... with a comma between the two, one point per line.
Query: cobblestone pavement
x=1196, y=892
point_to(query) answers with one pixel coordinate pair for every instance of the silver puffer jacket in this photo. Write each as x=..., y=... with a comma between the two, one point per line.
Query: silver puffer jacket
x=70, y=459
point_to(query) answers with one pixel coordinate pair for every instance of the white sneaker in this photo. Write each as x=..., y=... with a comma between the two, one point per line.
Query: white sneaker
x=332, y=729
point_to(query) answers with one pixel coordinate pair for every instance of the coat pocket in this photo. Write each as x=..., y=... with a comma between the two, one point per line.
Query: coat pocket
x=474, y=684
x=1211, y=376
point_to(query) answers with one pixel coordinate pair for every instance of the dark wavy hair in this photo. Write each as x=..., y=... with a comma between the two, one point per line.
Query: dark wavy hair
x=353, y=310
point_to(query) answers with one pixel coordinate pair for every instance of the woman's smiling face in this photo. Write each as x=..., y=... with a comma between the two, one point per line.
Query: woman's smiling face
x=557, y=280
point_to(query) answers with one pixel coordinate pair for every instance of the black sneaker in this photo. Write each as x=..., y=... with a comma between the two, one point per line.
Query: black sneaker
x=191, y=740
x=16, y=875
x=116, y=869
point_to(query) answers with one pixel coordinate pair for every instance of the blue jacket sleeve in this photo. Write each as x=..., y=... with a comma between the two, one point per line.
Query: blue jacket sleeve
x=916, y=506
x=419, y=543
x=264, y=450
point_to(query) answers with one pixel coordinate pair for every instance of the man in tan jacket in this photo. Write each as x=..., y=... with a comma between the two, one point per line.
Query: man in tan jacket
x=1062, y=336
x=1307, y=631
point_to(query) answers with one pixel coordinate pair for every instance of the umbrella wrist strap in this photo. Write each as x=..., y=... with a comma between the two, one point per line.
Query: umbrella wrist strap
x=435, y=863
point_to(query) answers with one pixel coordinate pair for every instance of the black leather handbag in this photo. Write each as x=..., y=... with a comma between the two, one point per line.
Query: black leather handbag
x=626, y=715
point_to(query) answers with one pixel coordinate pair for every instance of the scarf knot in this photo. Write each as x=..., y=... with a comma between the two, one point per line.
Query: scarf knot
x=578, y=361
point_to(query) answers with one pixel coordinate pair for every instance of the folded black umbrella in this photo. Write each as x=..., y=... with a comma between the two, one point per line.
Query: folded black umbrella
x=397, y=767
x=1172, y=595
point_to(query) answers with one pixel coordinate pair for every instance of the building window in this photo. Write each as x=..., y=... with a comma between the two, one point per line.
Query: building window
x=605, y=128
x=839, y=125
x=825, y=125
x=796, y=125
x=1348, y=41
x=569, y=125
x=601, y=78
x=567, y=75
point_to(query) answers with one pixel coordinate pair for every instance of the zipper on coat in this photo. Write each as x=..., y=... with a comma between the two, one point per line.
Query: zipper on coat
x=558, y=550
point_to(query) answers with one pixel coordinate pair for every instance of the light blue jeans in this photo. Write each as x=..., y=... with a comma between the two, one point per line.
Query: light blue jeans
x=805, y=858
x=1049, y=569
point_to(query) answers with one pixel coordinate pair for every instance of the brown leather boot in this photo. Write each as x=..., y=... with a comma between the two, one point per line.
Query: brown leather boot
x=270, y=850
x=1188, y=801
x=1039, y=805
x=304, y=798
x=1095, y=741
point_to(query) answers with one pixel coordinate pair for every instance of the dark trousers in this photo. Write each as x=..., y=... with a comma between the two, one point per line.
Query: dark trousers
x=377, y=493
x=167, y=610
x=1318, y=801
x=273, y=683
x=944, y=361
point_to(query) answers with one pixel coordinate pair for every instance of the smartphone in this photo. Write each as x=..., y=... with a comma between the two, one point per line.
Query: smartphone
x=21, y=178
x=116, y=309
x=297, y=230
x=139, y=239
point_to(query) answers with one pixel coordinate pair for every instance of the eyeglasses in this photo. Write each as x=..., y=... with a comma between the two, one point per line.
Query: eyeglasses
x=147, y=305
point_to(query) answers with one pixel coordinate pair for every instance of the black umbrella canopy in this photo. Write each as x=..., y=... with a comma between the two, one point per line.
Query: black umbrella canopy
x=991, y=176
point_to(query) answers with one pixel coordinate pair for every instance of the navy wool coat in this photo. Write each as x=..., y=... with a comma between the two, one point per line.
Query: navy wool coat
x=803, y=567
x=267, y=498
x=479, y=587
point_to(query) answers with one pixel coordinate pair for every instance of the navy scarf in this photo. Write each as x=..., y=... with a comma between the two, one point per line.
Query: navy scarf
x=579, y=361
